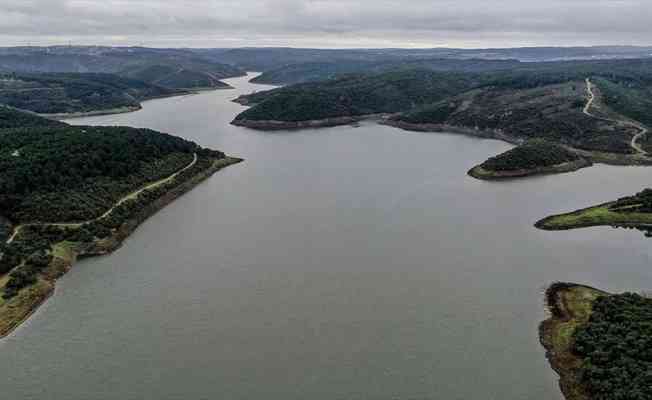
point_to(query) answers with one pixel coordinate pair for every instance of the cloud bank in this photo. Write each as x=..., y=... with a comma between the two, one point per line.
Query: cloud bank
x=326, y=23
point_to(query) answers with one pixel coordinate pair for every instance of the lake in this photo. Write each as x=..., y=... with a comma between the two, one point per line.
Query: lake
x=340, y=263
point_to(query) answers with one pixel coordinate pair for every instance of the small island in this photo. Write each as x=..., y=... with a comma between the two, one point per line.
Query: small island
x=633, y=211
x=535, y=157
x=598, y=343
x=79, y=191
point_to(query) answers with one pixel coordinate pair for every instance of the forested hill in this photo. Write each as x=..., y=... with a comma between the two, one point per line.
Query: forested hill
x=538, y=100
x=72, y=92
x=59, y=173
x=353, y=95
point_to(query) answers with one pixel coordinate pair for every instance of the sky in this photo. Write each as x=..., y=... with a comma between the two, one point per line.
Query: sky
x=326, y=23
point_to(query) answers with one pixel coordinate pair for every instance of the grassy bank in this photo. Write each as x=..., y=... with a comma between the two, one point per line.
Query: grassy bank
x=63, y=254
x=602, y=215
x=570, y=307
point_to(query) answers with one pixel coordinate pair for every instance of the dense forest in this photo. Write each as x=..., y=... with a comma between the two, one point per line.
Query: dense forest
x=12, y=118
x=616, y=348
x=531, y=155
x=355, y=95
x=76, y=173
x=70, y=92
x=60, y=173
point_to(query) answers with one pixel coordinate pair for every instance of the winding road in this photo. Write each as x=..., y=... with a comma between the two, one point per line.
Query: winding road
x=643, y=130
x=128, y=197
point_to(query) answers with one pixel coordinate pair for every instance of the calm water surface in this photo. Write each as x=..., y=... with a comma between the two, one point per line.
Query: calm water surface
x=343, y=263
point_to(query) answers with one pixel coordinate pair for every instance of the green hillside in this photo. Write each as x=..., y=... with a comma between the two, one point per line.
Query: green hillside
x=550, y=111
x=533, y=154
x=355, y=95
x=73, y=93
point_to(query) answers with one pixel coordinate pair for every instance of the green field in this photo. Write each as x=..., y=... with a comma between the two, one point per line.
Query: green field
x=633, y=211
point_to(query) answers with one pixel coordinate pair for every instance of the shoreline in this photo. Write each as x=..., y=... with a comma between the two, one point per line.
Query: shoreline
x=14, y=312
x=130, y=109
x=274, y=125
x=556, y=331
x=593, y=157
x=444, y=128
x=97, y=113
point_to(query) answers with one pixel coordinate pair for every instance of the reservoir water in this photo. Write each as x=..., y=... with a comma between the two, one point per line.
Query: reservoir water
x=333, y=264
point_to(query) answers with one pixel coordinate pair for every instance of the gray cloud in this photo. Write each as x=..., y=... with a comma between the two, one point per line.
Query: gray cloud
x=326, y=23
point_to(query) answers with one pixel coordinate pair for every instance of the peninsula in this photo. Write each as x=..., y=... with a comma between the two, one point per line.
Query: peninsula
x=598, y=342
x=631, y=211
x=78, y=191
x=535, y=157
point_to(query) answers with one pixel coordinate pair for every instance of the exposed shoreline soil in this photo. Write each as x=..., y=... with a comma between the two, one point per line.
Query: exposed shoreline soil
x=271, y=125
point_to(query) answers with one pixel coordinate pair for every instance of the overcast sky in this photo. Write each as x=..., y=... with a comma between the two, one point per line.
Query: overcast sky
x=326, y=23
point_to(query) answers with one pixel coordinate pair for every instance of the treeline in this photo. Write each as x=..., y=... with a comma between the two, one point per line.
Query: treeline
x=616, y=348
x=533, y=154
